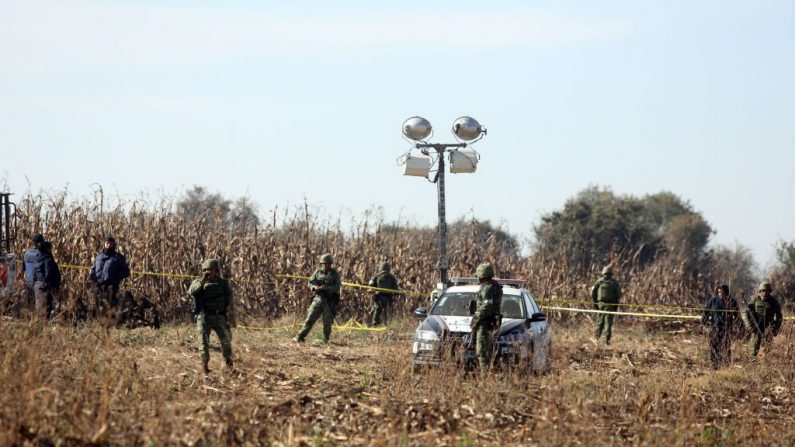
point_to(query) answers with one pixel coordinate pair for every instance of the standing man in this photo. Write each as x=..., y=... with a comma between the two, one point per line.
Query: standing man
x=605, y=293
x=109, y=270
x=720, y=313
x=325, y=284
x=487, y=315
x=382, y=300
x=763, y=313
x=29, y=261
x=214, y=308
x=47, y=278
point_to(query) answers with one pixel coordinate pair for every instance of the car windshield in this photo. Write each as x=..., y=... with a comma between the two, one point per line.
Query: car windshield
x=456, y=304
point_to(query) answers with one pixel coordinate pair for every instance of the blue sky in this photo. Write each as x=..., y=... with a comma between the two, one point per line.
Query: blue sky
x=292, y=100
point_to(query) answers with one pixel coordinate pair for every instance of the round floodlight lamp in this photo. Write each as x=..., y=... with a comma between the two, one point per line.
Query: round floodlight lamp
x=417, y=128
x=467, y=128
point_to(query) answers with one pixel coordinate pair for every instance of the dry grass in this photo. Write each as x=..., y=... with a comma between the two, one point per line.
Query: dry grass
x=65, y=385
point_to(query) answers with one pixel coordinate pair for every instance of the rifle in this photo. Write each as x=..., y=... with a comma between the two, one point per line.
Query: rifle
x=752, y=316
x=473, y=333
x=197, y=304
x=332, y=299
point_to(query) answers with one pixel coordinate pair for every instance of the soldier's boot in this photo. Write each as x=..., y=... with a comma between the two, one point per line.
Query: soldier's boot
x=230, y=367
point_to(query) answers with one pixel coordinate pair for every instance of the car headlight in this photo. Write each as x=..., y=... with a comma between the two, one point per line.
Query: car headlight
x=426, y=335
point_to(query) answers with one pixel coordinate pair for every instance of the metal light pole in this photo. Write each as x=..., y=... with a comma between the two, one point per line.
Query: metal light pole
x=464, y=129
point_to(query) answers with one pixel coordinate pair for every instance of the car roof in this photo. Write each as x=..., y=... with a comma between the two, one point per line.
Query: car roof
x=510, y=290
x=471, y=280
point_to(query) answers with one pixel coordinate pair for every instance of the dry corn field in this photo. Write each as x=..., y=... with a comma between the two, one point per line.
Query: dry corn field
x=74, y=384
x=156, y=239
x=65, y=385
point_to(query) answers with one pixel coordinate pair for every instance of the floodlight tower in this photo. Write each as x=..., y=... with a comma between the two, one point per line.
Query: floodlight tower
x=462, y=160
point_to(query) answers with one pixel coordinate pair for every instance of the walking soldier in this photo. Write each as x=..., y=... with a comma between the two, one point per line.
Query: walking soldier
x=605, y=293
x=214, y=309
x=382, y=300
x=763, y=313
x=325, y=284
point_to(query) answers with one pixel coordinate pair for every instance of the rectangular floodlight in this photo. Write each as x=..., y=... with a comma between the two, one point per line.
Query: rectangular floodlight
x=417, y=166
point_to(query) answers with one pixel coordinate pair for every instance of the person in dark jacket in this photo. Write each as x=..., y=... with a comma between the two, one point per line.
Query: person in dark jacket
x=47, y=278
x=720, y=313
x=109, y=270
x=29, y=261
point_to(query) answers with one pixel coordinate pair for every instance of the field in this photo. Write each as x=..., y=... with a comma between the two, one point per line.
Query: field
x=66, y=385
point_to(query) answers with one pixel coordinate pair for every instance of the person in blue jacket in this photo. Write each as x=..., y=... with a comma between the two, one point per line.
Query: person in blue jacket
x=109, y=270
x=29, y=260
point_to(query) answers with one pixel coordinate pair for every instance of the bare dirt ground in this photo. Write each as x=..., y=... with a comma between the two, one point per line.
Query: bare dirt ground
x=63, y=385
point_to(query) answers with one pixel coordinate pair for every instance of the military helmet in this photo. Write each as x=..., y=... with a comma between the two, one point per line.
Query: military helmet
x=385, y=266
x=608, y=270
x=485, y=271
x=211, y=264
x=326, y=258
x=765, y=286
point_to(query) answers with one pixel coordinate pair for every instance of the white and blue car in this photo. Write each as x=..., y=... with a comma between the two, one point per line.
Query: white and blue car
x=523, y=340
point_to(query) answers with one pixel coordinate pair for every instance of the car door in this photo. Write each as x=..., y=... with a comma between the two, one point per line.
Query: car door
x=539, y=333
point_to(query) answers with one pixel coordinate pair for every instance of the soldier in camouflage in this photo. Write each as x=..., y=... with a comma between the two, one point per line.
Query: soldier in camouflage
x=325, y=284
x=605, y=293
x=214, y=309
x=487, y=315
x=382, y=301
x=763, y=313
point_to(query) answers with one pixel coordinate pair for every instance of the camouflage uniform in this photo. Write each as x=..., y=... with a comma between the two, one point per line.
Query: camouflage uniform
x=214, y=307
x=382, y=301
x=765, y=310
x=605, y=293
x=325, y=283
x=487, y=315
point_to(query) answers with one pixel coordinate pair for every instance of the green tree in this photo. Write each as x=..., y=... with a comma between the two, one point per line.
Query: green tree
x=198, y=205
x=597, y=225
x=783, y=274
x=734, y=266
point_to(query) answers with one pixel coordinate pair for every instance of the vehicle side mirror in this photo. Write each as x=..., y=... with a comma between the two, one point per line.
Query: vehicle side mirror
x=421, y=312
x=536, y=317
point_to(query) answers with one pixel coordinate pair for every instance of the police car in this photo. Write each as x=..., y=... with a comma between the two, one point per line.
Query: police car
x=523, y=340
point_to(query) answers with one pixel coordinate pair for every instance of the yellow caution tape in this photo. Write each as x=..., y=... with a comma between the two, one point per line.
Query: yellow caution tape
x=260, y=328
x=634, y=314
x=358, y=326
x=353, y=325
x=650, y=306
x=350, y=325
x=360, y=286
x=73, y=266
